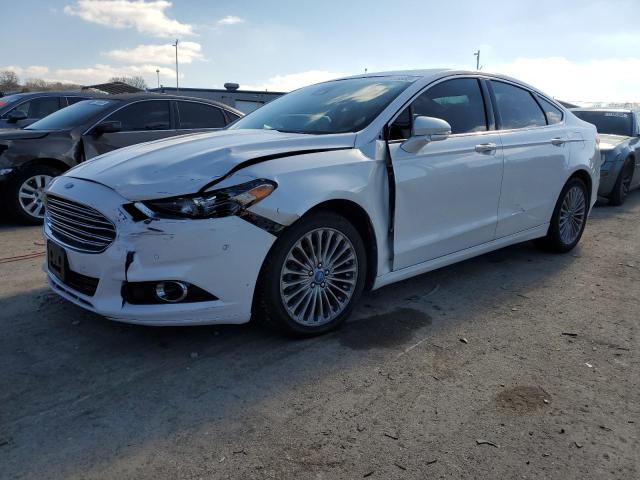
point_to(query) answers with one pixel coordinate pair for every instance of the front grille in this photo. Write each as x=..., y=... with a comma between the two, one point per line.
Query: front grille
x=77, y=226
x=81, y=283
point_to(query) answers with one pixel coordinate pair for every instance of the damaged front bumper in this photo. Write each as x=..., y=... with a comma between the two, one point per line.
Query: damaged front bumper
x=221, y=256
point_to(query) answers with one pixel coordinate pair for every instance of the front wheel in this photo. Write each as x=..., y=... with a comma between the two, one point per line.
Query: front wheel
x=313, y=276
x=569, y=218
x=622, y=185
x=25, y=193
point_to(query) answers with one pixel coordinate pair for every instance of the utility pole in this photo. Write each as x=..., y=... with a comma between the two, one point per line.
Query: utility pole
x=158, y=73
x=477, y=55
x=177, y=85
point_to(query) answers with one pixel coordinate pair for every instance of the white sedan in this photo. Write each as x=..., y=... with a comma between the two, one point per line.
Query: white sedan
x=291, y=212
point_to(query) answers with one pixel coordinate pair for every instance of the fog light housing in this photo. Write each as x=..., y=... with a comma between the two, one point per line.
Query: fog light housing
x=163, y=292
x=171, y=291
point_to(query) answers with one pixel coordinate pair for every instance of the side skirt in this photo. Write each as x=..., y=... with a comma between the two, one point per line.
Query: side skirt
x=452, y=258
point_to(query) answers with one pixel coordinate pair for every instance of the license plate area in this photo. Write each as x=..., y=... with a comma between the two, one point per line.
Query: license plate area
x=57, y=260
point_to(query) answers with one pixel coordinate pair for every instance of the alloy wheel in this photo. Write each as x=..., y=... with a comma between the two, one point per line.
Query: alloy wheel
x=31, y=195
x=572, y=215
x=318, y=277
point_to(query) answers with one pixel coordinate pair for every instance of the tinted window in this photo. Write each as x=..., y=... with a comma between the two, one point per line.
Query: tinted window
x=459, y=102
x=232, y=116
x=612, y=123
x=8, y=99
x=553, y=113
x=199, y=115
x=142, y=116
x=73, y=116
x=39, y=107
x=516, y=107
x=331, y=107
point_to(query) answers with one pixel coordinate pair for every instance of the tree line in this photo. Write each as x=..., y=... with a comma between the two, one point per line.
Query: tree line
x=10, y=83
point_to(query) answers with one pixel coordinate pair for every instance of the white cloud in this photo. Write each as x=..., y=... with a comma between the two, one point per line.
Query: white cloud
x=286, y=83
x=33, y=71
x=604, y=80
x=230, y=20
x=102, y=73
x=145, y=16
x=158, y=54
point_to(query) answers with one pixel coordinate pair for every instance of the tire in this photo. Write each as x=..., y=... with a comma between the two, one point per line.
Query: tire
x=558, y=238
x=623, y=182
x=304, y=300
x=31, y=180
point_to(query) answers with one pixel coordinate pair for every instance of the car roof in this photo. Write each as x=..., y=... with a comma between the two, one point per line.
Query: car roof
x=131, y=97
x=64, y=93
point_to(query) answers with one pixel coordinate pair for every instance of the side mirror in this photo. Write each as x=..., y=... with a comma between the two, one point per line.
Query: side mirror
x=107, y=127
x=425, y=130
x=16, y=116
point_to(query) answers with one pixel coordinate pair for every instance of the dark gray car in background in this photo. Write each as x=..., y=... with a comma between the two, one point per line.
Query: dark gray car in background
x=619, y=131
x=22, y=109
x=31, y=157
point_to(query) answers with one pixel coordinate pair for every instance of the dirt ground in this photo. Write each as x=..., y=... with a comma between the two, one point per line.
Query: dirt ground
x=516, y=364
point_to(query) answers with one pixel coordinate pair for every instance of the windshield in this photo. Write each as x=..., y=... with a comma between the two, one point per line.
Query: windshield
x=73, y=116
x=612, y=123
x=333, y=107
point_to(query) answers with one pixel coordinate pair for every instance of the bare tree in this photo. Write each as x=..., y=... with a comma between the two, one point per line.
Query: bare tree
x=9, y=81
x=135, y=81
x=35, y=84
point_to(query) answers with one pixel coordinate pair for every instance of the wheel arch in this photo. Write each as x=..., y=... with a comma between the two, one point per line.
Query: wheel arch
x=361, y=220
x=49, y=162
x=585, y=176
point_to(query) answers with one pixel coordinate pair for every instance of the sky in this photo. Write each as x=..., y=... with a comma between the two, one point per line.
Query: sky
x=574, y=50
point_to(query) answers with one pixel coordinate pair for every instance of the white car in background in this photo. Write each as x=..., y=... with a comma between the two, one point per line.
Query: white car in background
x=288, y=214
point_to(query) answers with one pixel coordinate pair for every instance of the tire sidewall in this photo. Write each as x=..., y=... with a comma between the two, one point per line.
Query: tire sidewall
x=619, y=196
x=271, y=305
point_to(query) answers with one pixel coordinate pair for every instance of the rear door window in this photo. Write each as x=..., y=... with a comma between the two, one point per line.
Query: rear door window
x=144, y=116
x=516, y=107
x=194, y=115
x=72, y=100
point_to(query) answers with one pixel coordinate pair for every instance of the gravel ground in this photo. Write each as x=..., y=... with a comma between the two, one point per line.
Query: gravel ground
x=516, y=364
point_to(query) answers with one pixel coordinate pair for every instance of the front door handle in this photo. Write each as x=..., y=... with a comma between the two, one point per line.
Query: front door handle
x=486, y=148
x=558, y=141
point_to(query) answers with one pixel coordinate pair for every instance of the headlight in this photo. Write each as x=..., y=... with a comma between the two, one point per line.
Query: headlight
x=217, y=203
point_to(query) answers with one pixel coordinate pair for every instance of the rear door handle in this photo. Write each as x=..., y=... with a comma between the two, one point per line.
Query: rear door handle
x=486, y=148
x=558, y=141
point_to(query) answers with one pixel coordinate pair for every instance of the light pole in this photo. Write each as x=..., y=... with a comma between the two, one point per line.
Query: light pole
x=477, y=55
x=158, y=73
x=177, y=86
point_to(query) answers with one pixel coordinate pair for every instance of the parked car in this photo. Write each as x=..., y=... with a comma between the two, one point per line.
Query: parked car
x=22, y=109
x=620, y=147
x=293, y=210
x=31, y=157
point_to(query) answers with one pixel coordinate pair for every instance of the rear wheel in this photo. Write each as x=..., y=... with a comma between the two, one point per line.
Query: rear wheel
x=622, y=185
x=313, y=276
x=26, y=193
x=569, y=218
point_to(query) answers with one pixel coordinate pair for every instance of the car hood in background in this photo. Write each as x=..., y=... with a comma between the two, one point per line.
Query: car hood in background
x=185, y=164
x=18, y=134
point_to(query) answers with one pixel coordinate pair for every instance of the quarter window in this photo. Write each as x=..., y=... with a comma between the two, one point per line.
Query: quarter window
x=553, y=113
x=199, y=115
x=144, y=116
x=458, y=101
x=517, y=107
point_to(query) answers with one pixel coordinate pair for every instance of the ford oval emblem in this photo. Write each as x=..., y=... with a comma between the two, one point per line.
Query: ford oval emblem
x=68, y=186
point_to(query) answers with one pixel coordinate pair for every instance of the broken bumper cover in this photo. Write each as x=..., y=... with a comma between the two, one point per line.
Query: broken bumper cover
x=222, y=256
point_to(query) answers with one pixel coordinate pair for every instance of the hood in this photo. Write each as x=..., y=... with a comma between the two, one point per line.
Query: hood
x=609, y=142
x=185, y=164
x=18, y=134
